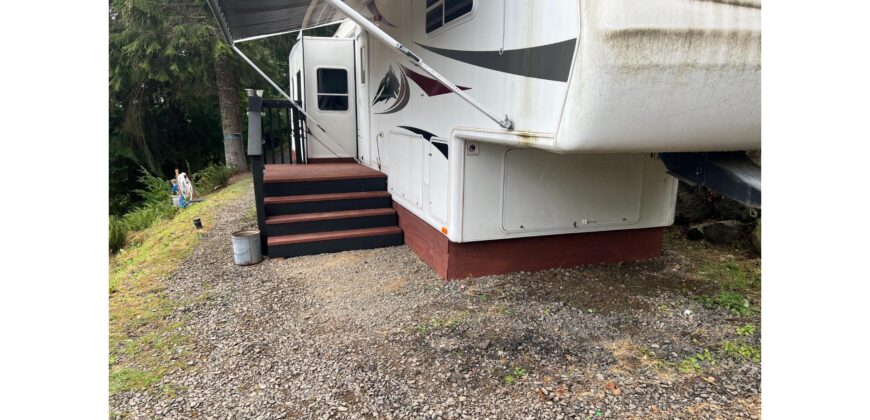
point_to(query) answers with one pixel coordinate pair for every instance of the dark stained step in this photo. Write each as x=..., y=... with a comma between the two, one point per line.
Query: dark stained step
x=336, y=241
x=293, y=224
x=313, y=203
x=326, y=186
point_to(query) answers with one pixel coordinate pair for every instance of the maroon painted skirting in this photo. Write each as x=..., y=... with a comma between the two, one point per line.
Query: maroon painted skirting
x=453, y=260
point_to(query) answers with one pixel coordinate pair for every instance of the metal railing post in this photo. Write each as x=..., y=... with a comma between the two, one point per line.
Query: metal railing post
x=255, y=151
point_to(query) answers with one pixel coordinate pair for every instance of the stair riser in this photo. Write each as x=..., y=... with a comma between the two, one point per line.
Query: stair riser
x=279, y=189
x=328, y=205
x=331, y=225
x=337, y=245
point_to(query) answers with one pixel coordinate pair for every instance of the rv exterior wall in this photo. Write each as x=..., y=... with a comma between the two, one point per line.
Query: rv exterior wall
x=671, y=75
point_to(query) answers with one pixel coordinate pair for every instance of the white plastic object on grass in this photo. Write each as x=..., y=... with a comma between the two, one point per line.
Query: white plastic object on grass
x=185, y=189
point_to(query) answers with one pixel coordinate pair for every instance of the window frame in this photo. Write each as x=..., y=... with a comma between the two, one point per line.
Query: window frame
x=318, y=94
x=444, y=25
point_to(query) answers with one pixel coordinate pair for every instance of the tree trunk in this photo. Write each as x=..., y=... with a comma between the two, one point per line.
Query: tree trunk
x=228, y=96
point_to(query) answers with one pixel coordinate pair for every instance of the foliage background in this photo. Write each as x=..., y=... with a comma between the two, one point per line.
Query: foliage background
x=163, y=103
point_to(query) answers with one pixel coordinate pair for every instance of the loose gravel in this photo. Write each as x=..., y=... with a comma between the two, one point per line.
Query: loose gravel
x=376, y=334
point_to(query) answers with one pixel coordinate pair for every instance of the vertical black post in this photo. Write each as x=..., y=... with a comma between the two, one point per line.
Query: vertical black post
x=294, y=149
x=255, y=151
x=271, y=135
x=302, y=134
x=288, y=129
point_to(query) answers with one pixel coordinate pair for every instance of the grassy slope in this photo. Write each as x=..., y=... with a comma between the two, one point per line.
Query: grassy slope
x=143, y=344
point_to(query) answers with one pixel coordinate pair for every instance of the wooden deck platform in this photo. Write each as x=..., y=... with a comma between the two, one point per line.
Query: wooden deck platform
x=318, y=172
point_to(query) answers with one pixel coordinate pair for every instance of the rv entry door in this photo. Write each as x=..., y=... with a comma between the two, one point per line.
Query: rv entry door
x=330, y=96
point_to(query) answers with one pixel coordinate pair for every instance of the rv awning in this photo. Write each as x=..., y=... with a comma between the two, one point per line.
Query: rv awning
x=242, y=20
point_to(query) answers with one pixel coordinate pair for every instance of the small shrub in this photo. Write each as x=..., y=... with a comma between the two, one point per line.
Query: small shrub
x=117, y=234
x=212, y=177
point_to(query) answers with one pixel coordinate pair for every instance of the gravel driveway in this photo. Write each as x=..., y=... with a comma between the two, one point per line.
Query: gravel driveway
x=376, y=334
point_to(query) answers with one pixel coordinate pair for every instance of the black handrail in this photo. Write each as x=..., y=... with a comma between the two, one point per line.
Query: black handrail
x=284, y=132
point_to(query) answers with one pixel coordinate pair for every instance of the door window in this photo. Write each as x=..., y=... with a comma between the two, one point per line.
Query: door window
x=332, y=89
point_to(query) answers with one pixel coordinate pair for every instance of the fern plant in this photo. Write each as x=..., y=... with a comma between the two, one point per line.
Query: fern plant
x=212, y=178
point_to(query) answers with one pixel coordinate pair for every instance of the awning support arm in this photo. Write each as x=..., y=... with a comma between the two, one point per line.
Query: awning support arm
x=292, y=102
x=390, y=41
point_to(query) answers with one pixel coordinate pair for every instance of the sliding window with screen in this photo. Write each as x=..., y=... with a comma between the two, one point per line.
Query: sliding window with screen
x=332, y=89
x=441, y=12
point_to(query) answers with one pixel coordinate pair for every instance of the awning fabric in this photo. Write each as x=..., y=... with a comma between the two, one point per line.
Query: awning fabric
x=246, y=19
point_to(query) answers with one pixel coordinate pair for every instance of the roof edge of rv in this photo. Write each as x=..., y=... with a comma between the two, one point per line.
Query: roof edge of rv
x=384, y=37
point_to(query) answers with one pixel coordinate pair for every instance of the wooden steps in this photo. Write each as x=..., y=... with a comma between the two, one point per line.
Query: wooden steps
x=317, y=208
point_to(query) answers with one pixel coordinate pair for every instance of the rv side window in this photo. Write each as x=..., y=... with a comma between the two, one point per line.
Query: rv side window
x=442, y=12
x=332, y=89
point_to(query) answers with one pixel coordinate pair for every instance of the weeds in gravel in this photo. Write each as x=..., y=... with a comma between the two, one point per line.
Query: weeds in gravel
x=696, y=362
x=742, y=351
x=747, y=329
x=143, y=344
x=737, y=278
x=515, y=376
x=733, y=301
x=436, y=323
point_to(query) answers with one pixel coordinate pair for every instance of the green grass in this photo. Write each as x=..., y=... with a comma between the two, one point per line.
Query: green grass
x=143, y=344
x=738, y=281
x=131, y=378
x=733, y=274
x=117, y=234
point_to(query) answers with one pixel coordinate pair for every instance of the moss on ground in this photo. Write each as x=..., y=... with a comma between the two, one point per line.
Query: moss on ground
x=144, y=345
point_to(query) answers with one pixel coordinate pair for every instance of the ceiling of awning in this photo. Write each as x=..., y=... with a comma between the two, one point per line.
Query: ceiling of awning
x=246, y=19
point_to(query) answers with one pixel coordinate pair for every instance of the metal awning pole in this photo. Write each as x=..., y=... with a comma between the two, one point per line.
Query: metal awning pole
x=387, y=39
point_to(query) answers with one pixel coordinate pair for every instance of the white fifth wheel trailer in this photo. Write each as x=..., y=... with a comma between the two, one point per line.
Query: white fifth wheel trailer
x=503, y=119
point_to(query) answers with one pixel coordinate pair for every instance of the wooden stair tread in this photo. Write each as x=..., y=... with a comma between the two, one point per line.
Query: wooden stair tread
x=325, y=197
x=328, y=236
x=327, y=215
x=318, y=172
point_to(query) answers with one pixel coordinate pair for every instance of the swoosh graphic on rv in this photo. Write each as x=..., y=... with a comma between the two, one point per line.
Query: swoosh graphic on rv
x=393, y=87
x=548, y=62
x=442, y=147
x=429, y=85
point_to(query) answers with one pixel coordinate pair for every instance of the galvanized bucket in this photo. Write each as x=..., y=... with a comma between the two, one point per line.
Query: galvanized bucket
x=246, y=247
